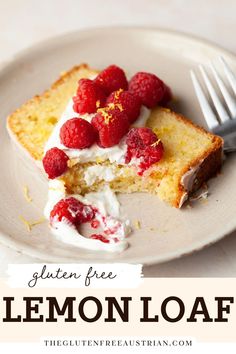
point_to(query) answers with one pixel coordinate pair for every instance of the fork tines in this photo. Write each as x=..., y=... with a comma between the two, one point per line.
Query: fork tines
x=226, y=110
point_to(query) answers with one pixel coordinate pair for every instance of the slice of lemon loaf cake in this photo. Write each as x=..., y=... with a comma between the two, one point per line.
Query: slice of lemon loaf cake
x=191, y=155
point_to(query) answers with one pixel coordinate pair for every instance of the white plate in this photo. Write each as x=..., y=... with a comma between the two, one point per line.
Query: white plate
x=176, y=232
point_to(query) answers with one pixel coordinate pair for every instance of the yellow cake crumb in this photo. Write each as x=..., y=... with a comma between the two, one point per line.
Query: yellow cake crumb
x=72, y=162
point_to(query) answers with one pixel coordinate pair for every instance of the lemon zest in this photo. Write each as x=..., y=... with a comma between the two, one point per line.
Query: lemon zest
x=30, y=224
x=26, y=194
x=117, y=93
x=156, y=143
x=137, y=224
x=104, y=113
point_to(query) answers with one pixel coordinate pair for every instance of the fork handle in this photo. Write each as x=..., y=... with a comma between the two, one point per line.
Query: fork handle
x=228, y=150
x=228, y=132
x=226, y=129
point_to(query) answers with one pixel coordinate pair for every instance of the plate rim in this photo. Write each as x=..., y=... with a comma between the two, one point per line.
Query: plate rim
x=5, y=239
x=6, y=64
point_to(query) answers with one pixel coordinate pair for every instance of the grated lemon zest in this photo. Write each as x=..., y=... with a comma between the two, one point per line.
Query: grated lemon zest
x=116, y=105
x=25, y=222
x=30, y=224
x=137, y=224
x=37, y=222
x=117, y=93
x=156, y=143
x=104, y=113
x=26, y=194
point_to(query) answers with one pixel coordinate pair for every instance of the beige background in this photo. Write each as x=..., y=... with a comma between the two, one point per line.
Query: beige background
x=24, y=22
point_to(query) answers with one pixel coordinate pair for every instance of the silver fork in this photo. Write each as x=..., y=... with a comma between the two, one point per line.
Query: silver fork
x=224, y=122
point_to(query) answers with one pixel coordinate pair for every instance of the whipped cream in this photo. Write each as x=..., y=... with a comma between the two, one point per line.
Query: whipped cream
x=69, y=234
x=108, y=215
x=113, y=154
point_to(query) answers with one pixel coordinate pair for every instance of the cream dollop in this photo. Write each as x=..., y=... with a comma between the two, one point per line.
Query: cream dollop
x=108, y=215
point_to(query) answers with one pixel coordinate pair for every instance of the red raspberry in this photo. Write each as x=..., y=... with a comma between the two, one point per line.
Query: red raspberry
x=77, y=133
x=167, y=96
x=72, y=210
x=55, y=162
x=111, y=124
x=139, y=138
x=99, y=237
x=130, y=103
x=148, y=87
x=152, y=155
x=143, y=143
x=111, y=79
x=89, y=97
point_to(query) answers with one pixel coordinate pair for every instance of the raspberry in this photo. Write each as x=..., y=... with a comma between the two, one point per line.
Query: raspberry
x=111, y=124
x=55, y=162
x=111, y=79
x=167, y=96
x=130, y=103
x=139, y=138
x=152, y=154
x=148, y=87
x=72, y=210
x=143, y=144
x=77, y=133
x=99, y=237
x=89, y=97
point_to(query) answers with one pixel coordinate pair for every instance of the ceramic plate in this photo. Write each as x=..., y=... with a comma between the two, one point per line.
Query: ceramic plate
x=165, y=232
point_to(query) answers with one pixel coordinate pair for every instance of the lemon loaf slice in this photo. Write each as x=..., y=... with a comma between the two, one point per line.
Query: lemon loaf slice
x=191, y=155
